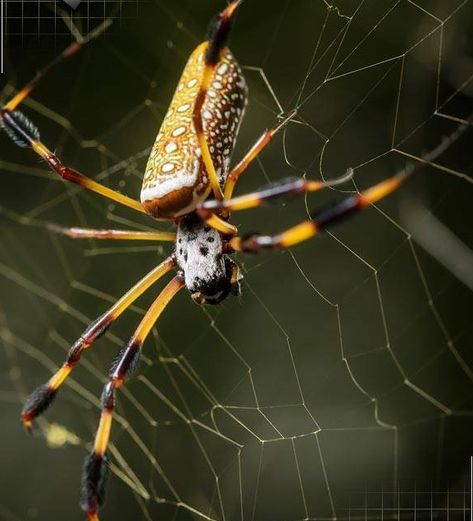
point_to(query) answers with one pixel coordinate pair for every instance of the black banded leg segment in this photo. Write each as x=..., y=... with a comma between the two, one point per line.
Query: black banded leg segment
x=217, y=38
x=96, y=466
x=254, y=243
x=43, y=395
x=218, y=32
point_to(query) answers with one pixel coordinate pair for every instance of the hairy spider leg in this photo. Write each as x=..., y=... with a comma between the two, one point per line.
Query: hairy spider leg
x=43, y=395
x=25, y=134
x=129, y=235
x=307, y=229
x=254, y=151
x=96, y=465
x=218, y=36
x=287, y=188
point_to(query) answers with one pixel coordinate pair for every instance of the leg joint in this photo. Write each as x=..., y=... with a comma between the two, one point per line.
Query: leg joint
x=108, y=395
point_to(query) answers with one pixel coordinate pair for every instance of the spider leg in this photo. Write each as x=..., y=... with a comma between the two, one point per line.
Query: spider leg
x=318, y=222
x=254, y=151
x=42, y=396
x=287, y=188
x=217, y=39
x=307, y=229
x=96, y=466
x=216, y=222
x=69, y=51
x=208, y=209
x=25, y=134
x=129, y=235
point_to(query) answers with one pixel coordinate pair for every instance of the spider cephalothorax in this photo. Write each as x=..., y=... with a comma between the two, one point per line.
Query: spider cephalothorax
x=209, y=273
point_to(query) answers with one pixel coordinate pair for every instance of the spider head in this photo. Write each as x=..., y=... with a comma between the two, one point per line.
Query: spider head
x=215, y=290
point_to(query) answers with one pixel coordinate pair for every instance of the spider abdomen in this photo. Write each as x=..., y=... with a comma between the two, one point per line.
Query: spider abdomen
x=175, y=180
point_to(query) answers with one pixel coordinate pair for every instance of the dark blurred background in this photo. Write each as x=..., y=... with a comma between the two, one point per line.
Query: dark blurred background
x=341, y=379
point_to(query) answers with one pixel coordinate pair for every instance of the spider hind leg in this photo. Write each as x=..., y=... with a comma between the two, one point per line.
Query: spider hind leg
x=95, y=468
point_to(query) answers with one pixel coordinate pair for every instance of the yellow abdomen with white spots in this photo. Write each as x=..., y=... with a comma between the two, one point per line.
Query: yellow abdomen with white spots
x=175, y=179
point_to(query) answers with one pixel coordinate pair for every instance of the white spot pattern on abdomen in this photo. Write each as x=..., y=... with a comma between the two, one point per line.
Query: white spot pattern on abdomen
x=175, y=161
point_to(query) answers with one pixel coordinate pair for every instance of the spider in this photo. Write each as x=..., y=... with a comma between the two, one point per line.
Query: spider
x=188, y=180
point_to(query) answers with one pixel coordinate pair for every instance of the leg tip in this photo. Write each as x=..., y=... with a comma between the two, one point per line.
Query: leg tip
x=28, y=425
x=38, y=401
x=94, y=477
x=232, y=8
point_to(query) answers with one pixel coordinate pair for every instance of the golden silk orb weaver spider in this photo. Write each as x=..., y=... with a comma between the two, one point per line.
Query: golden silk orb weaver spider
x=188, y=180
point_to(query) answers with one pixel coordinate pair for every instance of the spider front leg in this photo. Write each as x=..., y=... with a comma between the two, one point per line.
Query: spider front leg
x=69, y=51
x=256, y=242
x=42, y=396
x=217, y=39
x=96, y=466
x=25, y=134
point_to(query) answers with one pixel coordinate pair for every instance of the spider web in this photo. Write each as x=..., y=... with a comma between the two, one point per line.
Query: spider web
x=339, y=385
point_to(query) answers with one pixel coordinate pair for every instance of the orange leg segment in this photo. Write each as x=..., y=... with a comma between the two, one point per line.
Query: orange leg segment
x=262, y=142
x=129, y=235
